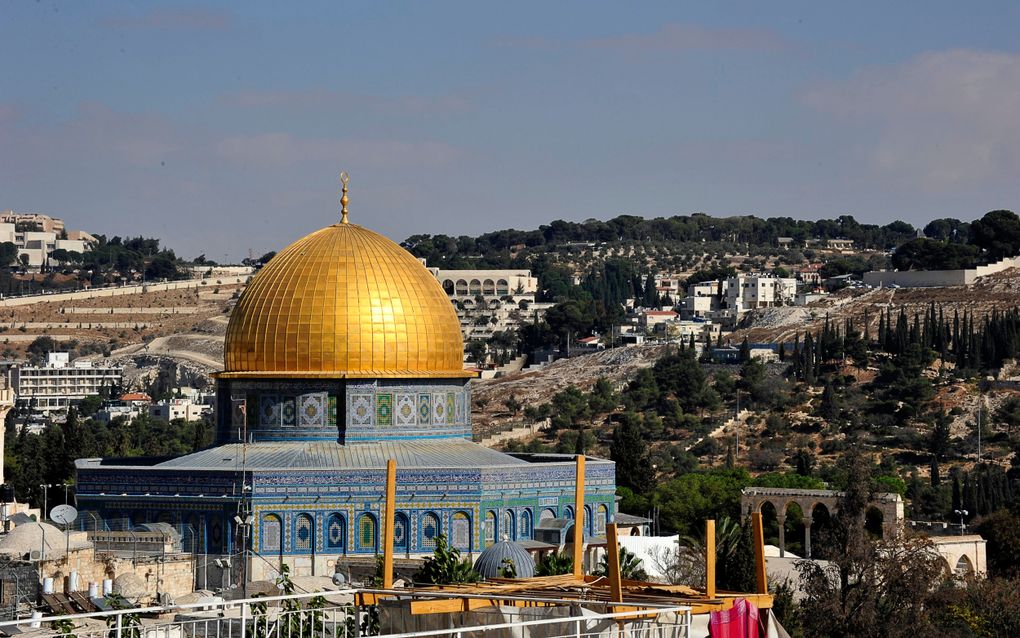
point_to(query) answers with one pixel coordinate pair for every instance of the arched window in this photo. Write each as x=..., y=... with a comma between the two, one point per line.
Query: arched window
x=400, y=535
x=304, y=533
x=568, y=512
x=429, y=530
x=368, y=533
x=475, y=287
x=502, y=287
x=507, y=525
x=461, y=288
x=488, y=287
x=601, y=518
x=490, y=528
x=524, y=529
x=336, y=533
x=589, y=521
x=448, y=286
x=460, y=531
x=271, y=537
x=547, y=513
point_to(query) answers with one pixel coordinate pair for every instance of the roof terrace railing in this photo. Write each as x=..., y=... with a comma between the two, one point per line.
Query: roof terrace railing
x=320, y=615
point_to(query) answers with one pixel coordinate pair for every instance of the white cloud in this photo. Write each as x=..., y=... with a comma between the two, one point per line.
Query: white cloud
x=939, y=121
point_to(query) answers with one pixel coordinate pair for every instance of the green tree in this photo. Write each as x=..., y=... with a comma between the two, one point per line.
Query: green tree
x=631, y=567
x=630, y=453
x=445, y=566
x=556, y=564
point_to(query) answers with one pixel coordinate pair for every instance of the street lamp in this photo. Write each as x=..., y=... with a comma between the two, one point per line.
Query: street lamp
x=961, y=514
x=45, y=495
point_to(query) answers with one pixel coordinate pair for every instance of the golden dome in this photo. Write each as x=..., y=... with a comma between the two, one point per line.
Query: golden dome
x=343, y=302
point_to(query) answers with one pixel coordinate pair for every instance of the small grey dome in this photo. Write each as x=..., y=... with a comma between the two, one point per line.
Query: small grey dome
x=490, y=562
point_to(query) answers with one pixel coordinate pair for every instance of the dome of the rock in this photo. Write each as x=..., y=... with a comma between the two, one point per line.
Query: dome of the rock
x=344, y=302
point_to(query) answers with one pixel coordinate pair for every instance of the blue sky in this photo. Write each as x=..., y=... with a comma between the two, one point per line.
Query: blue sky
x=221, y=127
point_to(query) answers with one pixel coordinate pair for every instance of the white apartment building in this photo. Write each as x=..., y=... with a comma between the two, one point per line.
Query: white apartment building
x=750, y=292
x=59, y=383
x=171, y=409
x=37, y=245
x=734, y=296
x=702, y=299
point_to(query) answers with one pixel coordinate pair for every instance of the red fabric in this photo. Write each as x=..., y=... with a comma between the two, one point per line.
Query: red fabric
x=739, y=621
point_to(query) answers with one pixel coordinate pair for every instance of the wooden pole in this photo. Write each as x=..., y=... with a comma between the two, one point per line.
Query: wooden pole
x=759, y=554
x=579, y=519
x=710, y=559
x=613, y=562
x=389, y=516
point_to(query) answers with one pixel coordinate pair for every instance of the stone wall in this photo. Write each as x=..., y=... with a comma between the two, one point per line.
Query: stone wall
x=173, y=574
x=934, y=278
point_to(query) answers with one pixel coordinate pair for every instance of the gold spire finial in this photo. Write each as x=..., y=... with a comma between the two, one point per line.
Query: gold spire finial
x=344, y=178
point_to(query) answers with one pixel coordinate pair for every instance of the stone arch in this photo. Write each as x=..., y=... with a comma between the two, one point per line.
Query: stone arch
x=502, y=287
x=547, y=514
x=964, y=567
x=770, y=522
x=475, y=287
x=488, y=287
x=461, y=288
x=874, y=521
x=449, y=287
x=431, y=528
x=793, y=528
x=568, y=512
x=820, y=518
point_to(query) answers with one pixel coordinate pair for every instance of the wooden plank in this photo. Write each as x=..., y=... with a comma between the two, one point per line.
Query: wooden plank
x=391, y=506
x=613, y=563
x=579, y=518
x=760, y=577
x=710, y=558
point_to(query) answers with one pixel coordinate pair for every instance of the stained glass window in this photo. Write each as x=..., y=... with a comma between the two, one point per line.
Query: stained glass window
x=336, y=529
x=524, y=530
x=271, y=533
x=490, y=528
x=366, y=532
x=304, y=533
x=507, y=527
x=601, y=518
x=460, y=532
x=429, y=530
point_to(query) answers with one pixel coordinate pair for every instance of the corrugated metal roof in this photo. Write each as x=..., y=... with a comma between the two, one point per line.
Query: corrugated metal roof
x=327, y=455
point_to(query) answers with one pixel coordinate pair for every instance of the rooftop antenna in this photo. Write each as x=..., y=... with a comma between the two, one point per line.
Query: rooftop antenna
x=344, y=179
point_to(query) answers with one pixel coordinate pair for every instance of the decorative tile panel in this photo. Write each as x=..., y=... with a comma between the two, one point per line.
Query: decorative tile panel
x=439, y=409
x=384, y=408
x=288, y=412
x=269, y=409
x=360, y=412
x=312, y=410
x=424, y=409
x=405, y=411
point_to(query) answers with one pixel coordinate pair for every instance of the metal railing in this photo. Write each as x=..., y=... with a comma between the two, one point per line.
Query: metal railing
x=336, y=615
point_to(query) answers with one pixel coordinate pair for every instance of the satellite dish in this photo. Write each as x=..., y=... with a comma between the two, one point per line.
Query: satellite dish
x=63, y=514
